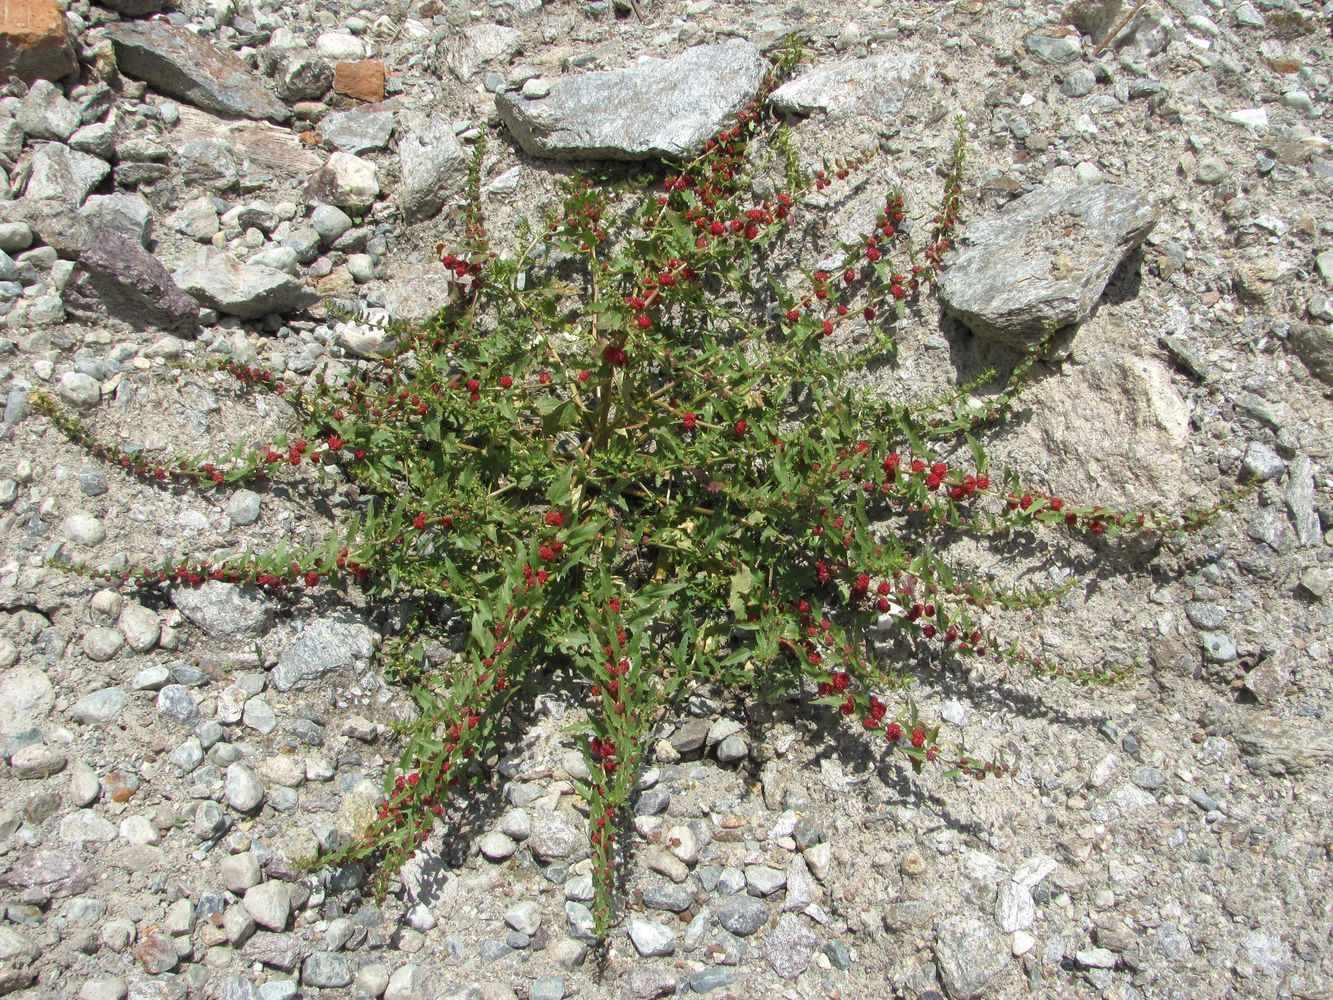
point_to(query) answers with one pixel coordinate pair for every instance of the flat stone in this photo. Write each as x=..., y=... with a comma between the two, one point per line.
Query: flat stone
x=789, y=946
x=524, y=917
x=465, y=50
x=185, y=66
x=340, y=642
x=26, y=700
x=325, y=970
x=876, y=86
x=970, y=954
x=652, y=109
x=360, y=79
x=742, y=915
x=357, y=131
x=650, y=938
x=34, y=41
x=100, y=707
x=37, y=761
x=84, y=826
x=1014, y=908
x=285, y=952
x=1055, y=46
x=433, y=167
x=63, y=175
x=669, y=897
x=118, y=277
x=224, y=610
x=248, y=291
x=1043, y=263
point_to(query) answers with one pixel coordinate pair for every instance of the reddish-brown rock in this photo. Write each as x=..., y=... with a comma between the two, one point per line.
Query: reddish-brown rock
x=362, y=79
x=34, y=41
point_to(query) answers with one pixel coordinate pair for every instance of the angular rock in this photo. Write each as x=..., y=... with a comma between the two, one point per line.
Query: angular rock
x=433, y=167
x=464, y=52
x=650, y=938
x=1275, y=746
x=26, y=700
x=34, y=41
x=269, y=904
x=360, y=79
x=875, y=86
x=248, y=291
x=224, y=610
x=346, y=181
x=118, y=277
x=128, y=214
x=1014, y=908
x=63, y=175
x=185, y=66
x=357, y=131
x=970, y=954
x=339, y=642
x=652, y=109
x=45, y=114
x=788, y=947
x=1044, y=261
x=303, y=76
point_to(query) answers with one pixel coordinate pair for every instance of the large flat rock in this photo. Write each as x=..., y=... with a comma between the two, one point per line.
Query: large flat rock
x=117, y=274
x=180, y=64
x=655, y=108
x=875, y=86
x=249, y=291
x=1044, y=261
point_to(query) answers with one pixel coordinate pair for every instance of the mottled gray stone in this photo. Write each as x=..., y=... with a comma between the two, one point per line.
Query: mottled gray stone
x=184, y=65
x=357, y=131
x=45, y=114
x=340, y=642
x=652, y=109
x=269, y=904
x=788, y=947
x=175, y=702
x=556, y=836
x=224, y=610
x=244, y=791
x=651, y=938
x=346, y=181
x=123, y=212
x=742, y=915
x=970, y=954
x=433, y=167
x=248, y=291
x=1043, y=262
x=875, y=86
x=63, y=175
x=466, y=49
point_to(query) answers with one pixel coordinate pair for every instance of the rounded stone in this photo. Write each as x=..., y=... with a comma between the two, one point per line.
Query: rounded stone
x=496, y=846
x=104, y=988
x=244, y=791
x=650, y=938
x=37, y=761
x=102, y=644
x=80, y=390
x=83, y=529
x=176, y=703
x=324, y=970
x=742, y=915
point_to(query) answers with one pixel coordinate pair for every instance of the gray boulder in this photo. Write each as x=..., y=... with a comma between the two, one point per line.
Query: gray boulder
x=341, y=642
x=433, y=167
x=245, y=290
x=183, y=65
x=652, y=109
x=1044, y=261
x=63, y=174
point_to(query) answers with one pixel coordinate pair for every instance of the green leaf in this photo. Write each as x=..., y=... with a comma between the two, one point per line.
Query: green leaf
x=741, y=584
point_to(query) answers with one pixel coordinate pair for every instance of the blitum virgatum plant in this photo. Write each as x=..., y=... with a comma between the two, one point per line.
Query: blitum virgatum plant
x=630, y=451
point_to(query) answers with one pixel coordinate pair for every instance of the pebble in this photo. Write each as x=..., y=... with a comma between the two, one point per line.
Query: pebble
x=496, y=846
x=175, y=702
x=83, y=529
x=269, y=904
x=244, y=791
x=37, y=761
x=524, y=917
x=101, y=707
x=651, y=938
x=325, y=970
x=742, y=915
